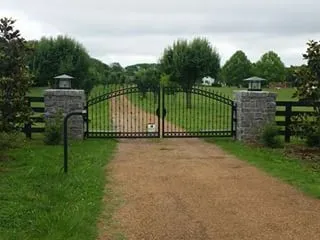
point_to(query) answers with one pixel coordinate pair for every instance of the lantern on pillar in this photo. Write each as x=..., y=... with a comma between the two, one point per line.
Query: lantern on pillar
x=254, y=83
x=63, y=81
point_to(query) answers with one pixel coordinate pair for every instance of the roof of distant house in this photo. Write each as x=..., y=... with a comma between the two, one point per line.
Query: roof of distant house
x=63, y=76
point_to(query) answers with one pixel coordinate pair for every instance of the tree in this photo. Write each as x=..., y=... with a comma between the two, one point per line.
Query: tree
x=236, y=69
x=308, y=90
x=188, y=62
x=98, y=72
x=116, y=67
x=15, y=78
x=55, y=56
x=131, y=70
x=148, y=80
x=291, y=77
x=270, y=67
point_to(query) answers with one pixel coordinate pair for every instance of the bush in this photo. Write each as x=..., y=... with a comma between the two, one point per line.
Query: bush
x=11, y=140
x=307, y=127
x=270, y=136
x=53, y=129
x=313, y=140
x=15, y=77
x=216, y=85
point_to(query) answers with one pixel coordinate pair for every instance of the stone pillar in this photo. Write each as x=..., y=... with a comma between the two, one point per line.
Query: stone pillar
x=254, y=111
x=67, y=101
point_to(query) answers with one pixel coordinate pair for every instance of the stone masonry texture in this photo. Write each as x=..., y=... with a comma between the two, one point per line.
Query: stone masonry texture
x=254, y=111
x=67, y=101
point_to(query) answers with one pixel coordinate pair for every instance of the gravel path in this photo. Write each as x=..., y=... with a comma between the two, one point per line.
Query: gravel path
x=189, y=189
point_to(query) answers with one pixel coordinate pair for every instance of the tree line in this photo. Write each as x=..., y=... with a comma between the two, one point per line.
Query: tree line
x=54, y=56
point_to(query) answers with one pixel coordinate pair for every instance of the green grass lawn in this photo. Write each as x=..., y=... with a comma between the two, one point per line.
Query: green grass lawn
x=274, y=161
x=39, y=201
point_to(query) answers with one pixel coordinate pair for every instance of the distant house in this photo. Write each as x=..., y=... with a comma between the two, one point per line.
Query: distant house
x=208, y=81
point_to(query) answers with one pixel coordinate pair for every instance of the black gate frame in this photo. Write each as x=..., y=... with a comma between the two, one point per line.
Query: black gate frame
x=212, y=95
x=119, y=134
x=160, y=113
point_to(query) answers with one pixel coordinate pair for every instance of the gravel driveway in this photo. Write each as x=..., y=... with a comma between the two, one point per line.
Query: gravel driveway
x=189, y=189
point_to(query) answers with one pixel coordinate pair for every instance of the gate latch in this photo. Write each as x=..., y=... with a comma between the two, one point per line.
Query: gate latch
x=164, y=112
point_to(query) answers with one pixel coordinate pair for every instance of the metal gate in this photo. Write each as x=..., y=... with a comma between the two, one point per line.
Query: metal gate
x=197, y=112
x=152, y=112
x=124, y=112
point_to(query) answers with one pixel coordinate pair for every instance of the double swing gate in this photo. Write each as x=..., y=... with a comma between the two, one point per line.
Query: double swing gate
x=154, y=112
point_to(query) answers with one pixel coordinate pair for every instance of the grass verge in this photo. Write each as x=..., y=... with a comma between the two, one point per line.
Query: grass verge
x=276, y=163
x=39, y=201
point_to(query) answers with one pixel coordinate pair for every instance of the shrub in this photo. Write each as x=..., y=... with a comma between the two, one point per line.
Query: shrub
x=270, y=136
x=53, y=129
x=307, y=126
x=15, y=77
x=11, y=140
x=313, y=140
x=216, y=85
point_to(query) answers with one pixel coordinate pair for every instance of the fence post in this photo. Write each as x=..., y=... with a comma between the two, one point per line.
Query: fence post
x=27, y=125
x=288, y=113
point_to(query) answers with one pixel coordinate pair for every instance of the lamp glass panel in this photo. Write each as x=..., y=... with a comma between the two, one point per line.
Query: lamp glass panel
x=256, y=85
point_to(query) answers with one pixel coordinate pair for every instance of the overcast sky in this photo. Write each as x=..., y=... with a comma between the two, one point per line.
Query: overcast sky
x=134, y=31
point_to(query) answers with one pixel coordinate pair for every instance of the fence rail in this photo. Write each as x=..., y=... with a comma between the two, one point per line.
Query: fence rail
x=290, y=110
x=37, y=117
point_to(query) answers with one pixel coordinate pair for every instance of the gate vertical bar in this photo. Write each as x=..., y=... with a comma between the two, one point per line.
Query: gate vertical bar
x=104, y=105
x=96, y=119
x=233, y=114
x=220, y=114
x=122, y=110
x=159, y=107
x=163, y=109
x=136, y=112
x=192, y=110
x=100, y=113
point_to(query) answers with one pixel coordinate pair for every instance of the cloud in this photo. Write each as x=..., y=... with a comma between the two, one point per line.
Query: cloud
x=129, y=31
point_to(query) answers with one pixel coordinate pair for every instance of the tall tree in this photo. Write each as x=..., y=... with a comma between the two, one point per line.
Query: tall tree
x=270, y=67
x=237, y=68
x=15, y=78
x=116, y=67
x=308, y=89
x=291, y=77
x=54, y=56
x=98, y=72
x=148, y=79
x=188, y=62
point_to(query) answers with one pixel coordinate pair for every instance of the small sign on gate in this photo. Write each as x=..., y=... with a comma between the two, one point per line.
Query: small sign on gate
x=151, y=127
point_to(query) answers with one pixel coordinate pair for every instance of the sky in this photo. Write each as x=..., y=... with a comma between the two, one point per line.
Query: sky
x=137, y=31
